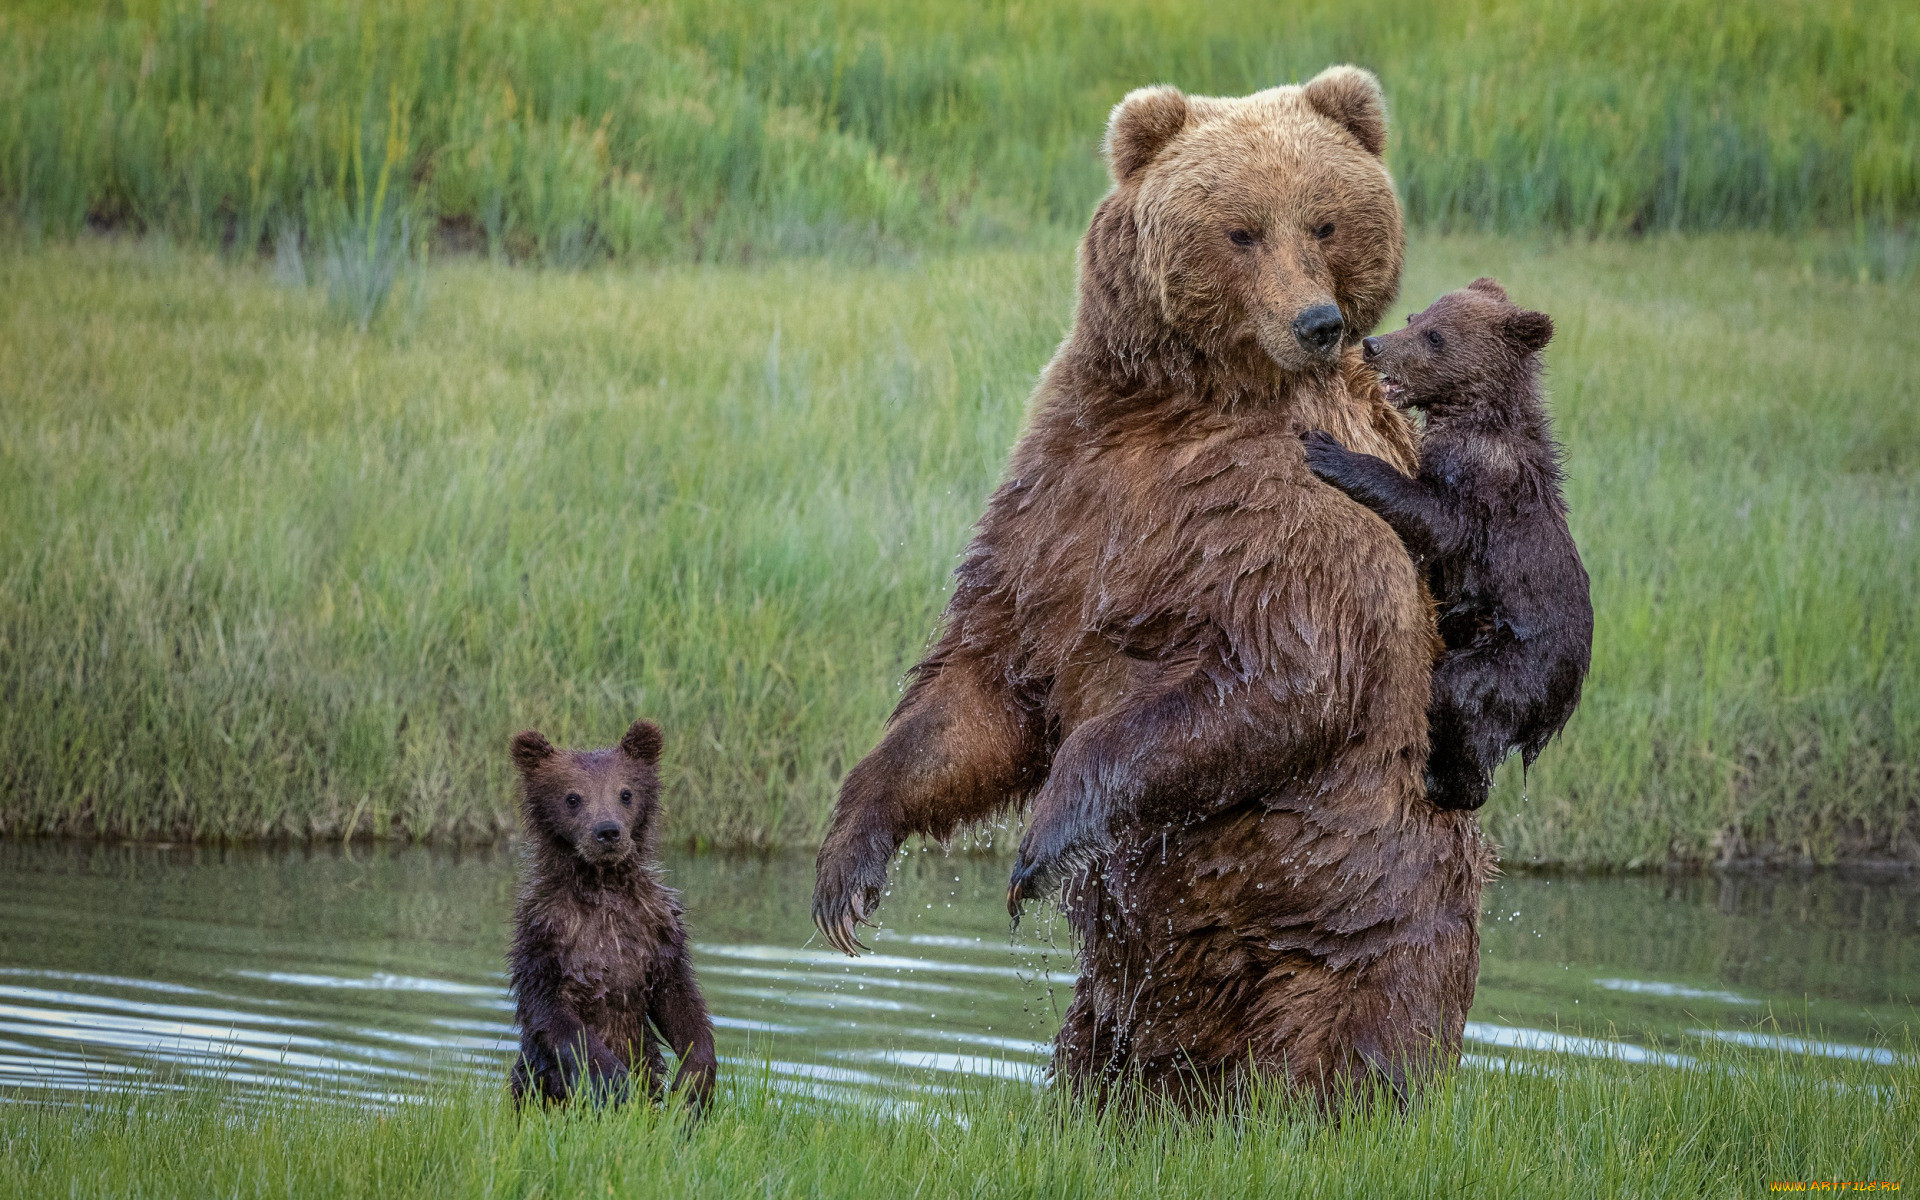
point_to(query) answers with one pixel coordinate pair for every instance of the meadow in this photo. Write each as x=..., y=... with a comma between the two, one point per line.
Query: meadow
x=290, y=561
x=264, y=576
x=1557, y=1127
x=726, y=130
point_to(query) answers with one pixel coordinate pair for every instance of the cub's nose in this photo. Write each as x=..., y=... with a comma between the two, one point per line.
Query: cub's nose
x=1368, y=348
x=607, y=832
x=1319, y=328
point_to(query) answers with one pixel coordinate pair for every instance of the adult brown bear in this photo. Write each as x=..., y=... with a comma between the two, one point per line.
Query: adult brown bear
x=1207, y=669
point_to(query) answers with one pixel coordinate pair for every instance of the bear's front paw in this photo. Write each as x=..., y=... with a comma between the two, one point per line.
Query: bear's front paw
x=1057, y=843
x=846, y=890
x=694, y=1079
x=609, y=1084
x=1458, y=790
x=1326, y=457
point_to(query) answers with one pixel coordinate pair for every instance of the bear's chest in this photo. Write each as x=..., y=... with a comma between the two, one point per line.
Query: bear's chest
x=607, y=954
x=1118, y=558
x=1121, y=550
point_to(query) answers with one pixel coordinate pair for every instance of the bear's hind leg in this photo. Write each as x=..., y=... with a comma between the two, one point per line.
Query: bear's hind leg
x=1459, y=770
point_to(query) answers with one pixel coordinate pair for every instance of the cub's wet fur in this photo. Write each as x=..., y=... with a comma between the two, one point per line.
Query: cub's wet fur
x=1486, y=518
x=599, y=960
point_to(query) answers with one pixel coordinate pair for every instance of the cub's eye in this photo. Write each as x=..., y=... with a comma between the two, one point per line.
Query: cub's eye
x=1433, y=338
x=1324, y=232
x=573, y=799
x=626, y=796
x=1242, y=238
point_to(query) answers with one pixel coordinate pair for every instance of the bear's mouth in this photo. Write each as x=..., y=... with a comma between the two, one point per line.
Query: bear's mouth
x=1396, y=390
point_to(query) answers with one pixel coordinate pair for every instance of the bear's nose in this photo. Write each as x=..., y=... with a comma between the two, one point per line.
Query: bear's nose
x=1318, y=329
x=1369, y=347
x=607, y=832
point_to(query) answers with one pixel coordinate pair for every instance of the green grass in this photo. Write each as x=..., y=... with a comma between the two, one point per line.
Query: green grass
x=728, y=129
x=262, y=576
x=1562, y=1128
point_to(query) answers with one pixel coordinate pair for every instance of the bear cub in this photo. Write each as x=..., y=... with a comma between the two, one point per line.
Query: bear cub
x=1486, y=519
x=599, y=959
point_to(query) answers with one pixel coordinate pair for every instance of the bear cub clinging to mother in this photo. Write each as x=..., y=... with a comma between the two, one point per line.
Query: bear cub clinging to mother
x=1486, y=519
x=599, y=957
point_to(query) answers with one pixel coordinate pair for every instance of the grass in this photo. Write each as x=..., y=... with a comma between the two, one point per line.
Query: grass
x=263, y=576
x=728, y=130
x=1558, y=1128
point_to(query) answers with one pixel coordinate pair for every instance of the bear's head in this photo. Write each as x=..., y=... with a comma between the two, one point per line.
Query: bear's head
x=1267, y=226
x=596, y=804
x=1467, y=347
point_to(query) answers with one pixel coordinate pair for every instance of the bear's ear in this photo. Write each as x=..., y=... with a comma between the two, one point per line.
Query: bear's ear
x=1530, y=329
x=1351, y=98
x=530, y=749
x=642, y=743
x=1490, y=286
x=1141, y=126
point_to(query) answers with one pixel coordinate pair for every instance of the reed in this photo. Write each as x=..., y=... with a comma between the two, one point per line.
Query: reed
x=727, y=130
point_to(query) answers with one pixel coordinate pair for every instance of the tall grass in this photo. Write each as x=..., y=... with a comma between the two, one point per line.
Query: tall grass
x=1547, y=1129
x=723, y=129
x=263, y=576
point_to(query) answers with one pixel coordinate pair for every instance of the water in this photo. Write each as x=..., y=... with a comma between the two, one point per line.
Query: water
x=362, y=971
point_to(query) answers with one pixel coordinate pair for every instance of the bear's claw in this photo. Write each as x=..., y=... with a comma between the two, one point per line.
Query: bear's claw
x=846, y=891
x=1031, y=881
x=840, y=929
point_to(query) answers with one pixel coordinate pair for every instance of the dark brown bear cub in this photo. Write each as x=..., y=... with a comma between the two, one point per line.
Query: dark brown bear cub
x=1486, y=519
x=599, y=954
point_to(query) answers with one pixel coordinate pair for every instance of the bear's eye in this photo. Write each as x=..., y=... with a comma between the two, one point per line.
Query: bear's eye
x=573, y=799
x=1324, y=232
x=1433, y=338
x=626, y=796
x=1243, y=238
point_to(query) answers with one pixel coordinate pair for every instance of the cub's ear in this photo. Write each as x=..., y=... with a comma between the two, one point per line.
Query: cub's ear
x=642, y=743
x=1490, y=286
x=1351, y=98
x=1141, y=126
x=530, y=749
x=1533, y=330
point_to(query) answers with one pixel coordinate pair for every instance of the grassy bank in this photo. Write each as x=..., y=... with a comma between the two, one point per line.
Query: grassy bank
x=264, y=576
x=728, y=130
x=1576, y=1128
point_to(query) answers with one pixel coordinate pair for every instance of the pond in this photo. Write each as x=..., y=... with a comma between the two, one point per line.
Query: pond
x=362, y=970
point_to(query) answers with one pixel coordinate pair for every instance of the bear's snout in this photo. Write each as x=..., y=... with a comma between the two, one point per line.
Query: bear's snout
x=1369, y=349
x=1319, y=329
x=607, y=833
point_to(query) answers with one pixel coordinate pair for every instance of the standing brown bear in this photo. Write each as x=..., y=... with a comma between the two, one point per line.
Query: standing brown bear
x=599, y=958
x=1205, y=669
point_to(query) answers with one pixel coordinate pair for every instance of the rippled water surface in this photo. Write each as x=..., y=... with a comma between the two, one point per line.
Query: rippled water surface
x=364, y=970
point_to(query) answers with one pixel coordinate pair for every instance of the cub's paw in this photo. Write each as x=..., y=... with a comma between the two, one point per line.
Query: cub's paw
x=1326, y=457
x=609, y=1086
x=847, y=884
x=694, y=1080
x=1458, y=795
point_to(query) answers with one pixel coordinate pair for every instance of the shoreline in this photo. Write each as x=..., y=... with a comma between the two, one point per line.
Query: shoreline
x=1875, y=866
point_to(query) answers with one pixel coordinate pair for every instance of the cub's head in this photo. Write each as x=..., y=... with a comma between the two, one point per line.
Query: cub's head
x=1467, y=346
x=597, y=804
x=1267, y=224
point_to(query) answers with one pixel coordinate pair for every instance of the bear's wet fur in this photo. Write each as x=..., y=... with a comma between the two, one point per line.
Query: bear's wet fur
x=1205, y=670
x=1486, y=516
x=599, y=960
